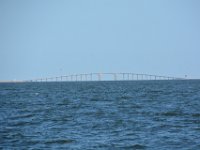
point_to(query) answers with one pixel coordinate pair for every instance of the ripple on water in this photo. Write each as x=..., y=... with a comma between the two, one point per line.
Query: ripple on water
x=59, y=141
x=136, y=146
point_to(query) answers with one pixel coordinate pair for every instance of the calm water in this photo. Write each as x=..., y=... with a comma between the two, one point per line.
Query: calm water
x=100, y=115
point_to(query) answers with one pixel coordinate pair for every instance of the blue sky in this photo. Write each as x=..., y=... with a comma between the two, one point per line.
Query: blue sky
x=42, y=38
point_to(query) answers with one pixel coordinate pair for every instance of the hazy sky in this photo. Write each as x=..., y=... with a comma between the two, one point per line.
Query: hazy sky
x=40, y=38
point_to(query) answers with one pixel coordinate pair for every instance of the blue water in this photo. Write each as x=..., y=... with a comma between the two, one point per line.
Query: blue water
x=100, y=115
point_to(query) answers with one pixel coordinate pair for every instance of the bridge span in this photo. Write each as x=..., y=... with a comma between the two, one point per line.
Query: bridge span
x=104, y=77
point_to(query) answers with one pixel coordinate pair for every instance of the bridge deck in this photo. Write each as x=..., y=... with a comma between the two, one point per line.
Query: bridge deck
x=105, y=77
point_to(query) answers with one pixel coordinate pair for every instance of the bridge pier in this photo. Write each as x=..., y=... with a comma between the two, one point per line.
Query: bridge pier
x=71, y=77
x=99, y=76
x=91, y=76
x=81, y=77
x=128, y=76
x=115, y=76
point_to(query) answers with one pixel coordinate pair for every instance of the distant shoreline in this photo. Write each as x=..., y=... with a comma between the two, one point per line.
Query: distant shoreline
x=21, y=81
x=11, y=81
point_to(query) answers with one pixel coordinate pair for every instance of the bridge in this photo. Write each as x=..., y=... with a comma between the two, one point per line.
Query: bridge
x=104, y=77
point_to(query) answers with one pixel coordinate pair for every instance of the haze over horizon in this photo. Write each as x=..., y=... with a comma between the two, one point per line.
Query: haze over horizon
x=49, y=38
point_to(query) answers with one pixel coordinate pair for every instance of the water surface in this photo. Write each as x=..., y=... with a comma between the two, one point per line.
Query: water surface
x=100, y=115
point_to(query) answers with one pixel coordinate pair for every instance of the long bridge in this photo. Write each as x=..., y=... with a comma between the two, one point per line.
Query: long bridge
x=104, y=77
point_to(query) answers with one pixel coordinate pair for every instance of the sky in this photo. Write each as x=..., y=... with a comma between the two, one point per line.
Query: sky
x=44, y=38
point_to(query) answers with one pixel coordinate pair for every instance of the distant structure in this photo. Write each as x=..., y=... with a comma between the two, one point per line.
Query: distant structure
x=104, y=77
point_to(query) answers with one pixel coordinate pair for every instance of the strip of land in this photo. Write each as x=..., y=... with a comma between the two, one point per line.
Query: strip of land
x=11, y=81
